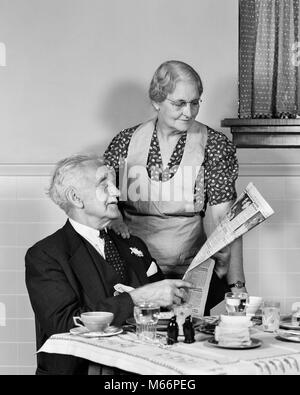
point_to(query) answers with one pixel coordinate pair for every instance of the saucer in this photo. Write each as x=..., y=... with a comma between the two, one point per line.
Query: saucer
x=286, y=323
x=110, y=331
x=254, y=344
x=290, y=336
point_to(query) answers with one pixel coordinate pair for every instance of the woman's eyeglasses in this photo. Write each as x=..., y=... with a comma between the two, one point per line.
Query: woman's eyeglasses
x=181, y=104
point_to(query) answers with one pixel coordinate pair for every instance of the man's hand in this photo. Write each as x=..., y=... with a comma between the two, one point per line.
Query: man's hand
x=165, y=293
x=222, y=259
x=119, y=227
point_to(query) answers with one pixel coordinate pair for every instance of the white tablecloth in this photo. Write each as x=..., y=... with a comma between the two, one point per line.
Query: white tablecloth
x=126, y=353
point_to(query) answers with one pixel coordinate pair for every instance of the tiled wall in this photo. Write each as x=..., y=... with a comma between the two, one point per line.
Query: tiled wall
x=26, y=215
x=271, y=251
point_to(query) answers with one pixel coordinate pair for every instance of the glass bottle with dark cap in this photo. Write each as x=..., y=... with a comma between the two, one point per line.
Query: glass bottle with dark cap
x=172, y=331
x=188, y=330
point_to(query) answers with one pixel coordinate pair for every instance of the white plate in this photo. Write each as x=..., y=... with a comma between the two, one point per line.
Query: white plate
x=289, y=336
x=254, y=344
x=288, y=324
x=110, y=331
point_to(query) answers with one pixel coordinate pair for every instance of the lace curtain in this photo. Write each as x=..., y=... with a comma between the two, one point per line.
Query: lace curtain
x=269, y=59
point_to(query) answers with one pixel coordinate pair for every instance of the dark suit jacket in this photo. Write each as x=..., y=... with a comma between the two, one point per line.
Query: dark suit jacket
x=66, y=276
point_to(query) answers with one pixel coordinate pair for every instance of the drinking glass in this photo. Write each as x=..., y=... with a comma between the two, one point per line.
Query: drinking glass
x=235, y=303
x=146, y=317
x=270, y=315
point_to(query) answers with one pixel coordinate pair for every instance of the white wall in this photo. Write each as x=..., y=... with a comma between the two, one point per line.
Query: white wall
x=78, y=70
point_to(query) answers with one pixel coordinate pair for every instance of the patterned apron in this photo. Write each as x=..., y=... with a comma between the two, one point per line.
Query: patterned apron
x=164, y=214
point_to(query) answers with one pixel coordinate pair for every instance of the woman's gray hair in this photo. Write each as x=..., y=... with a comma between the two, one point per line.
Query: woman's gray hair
x=67, y=174
x=167, y=75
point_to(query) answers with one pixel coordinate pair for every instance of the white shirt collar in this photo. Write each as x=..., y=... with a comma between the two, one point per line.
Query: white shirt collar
x=84, y=230
x=90, y=234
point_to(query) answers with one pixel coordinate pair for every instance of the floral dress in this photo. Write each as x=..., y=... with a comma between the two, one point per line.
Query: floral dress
x=220, y=163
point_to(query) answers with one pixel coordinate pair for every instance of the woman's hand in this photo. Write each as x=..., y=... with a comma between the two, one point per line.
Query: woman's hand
x=119, y=227
x=222, y=259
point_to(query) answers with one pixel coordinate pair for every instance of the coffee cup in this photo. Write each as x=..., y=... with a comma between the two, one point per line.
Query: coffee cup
x=253, y=304
x=94, y=321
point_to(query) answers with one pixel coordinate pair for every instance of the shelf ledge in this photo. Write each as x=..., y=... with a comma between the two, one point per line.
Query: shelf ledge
x=264, y=133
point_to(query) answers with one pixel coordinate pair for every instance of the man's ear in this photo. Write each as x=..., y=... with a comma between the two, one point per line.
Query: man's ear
x=73, y=197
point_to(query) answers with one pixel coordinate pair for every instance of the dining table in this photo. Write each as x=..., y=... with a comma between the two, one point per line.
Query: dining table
x=270, y=355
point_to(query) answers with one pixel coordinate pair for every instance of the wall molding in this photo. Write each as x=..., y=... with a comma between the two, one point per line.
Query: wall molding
x=264, y=133
x=245, y=169
x=269, y=169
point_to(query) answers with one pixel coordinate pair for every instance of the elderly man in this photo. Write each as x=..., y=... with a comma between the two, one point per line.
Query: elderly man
x=75, y=269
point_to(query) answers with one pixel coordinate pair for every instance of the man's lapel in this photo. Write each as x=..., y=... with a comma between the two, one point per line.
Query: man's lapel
x=133, y=262
x=96, y=279
x=106, y=272
x=83, y=266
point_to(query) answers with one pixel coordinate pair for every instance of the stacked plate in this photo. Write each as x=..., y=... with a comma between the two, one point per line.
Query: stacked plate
x=287, y=323
x=288, y=335
x=289, y=330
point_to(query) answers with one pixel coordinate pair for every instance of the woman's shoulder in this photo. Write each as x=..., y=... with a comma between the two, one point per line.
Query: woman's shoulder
x=120, y=142
x=213, y=134
x=218, y=140
x=118, y=147
x=127, y=132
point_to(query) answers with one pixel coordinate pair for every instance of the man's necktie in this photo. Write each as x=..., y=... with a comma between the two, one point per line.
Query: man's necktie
x=112, y=256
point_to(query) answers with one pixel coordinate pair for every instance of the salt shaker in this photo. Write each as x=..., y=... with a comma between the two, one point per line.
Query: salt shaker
x=172, y=331
x=188, y=330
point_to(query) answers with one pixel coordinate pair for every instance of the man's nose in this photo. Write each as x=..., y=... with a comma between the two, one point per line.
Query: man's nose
x=113, y=190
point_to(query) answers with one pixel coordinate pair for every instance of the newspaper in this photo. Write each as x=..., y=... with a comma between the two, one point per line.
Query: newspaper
x=249, y=210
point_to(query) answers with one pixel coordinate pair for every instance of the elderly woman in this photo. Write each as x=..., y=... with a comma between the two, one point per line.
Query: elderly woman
x=182, y=165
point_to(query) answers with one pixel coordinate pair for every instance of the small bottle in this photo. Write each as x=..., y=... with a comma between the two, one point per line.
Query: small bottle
x=188, y=330
x=172, y=331
x=296, y=316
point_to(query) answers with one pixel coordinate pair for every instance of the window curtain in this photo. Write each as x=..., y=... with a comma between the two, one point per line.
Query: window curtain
x=269, y=59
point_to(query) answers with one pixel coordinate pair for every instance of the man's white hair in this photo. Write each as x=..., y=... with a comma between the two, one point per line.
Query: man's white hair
x=67, y=173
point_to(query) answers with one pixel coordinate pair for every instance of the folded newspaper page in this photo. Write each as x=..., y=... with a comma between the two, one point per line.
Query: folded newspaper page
x=200, y=277
x=249, y=210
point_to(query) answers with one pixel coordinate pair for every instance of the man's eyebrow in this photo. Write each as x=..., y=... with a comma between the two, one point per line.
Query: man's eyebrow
x=101, y=179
